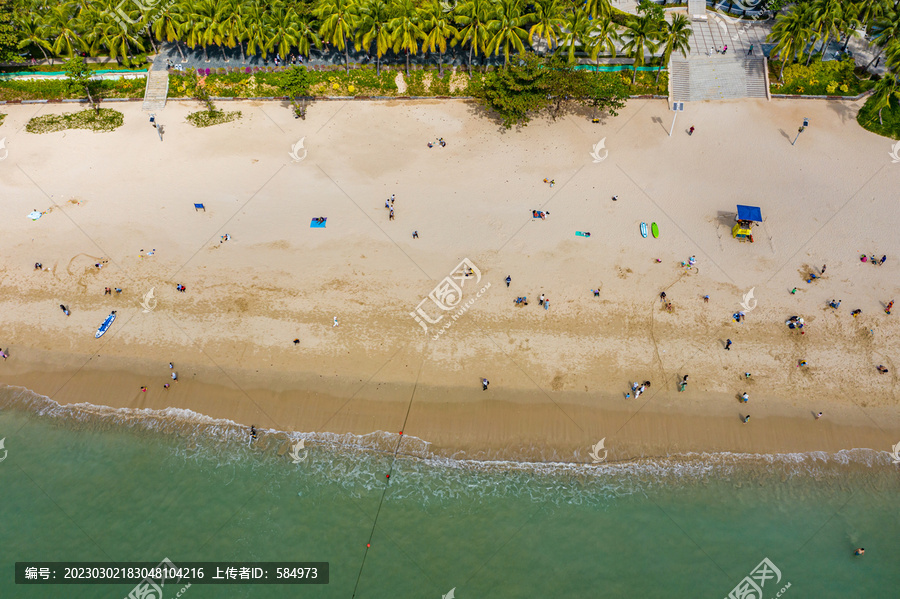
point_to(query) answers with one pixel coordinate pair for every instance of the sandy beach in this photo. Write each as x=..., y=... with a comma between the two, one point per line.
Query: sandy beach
x=558, y=377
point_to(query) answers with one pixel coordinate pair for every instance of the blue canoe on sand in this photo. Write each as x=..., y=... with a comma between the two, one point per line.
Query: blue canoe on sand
x=106, y=324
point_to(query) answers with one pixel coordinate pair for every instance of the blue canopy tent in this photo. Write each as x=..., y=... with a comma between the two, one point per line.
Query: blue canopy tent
x=749, y=213
x=746, y=216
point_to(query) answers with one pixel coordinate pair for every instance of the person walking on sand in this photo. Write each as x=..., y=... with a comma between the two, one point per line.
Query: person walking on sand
x=728, y=344
x=683, y=383
x=793, y=291
x=484, y=384
x=819, y=415
x=541, y=300
x=746, y=419
x=546, y=304
x=691, y=130
x=415, y=234
x=64, y=309
x=823, y=270
x=662, y=296
x=334, y=323
x=508, y=281
x=744, y=397
x=888, y=308
x=392, y=215
x=175, y=376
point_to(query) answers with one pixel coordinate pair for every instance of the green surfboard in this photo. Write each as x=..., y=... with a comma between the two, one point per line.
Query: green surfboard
x=654, y=230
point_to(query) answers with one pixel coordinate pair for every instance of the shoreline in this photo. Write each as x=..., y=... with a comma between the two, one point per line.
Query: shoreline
x=453, y=423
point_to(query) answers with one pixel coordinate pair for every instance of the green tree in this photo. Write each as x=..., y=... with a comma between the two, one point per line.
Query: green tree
x=641, y=34
x=282, y=25
x=675, y=37
x=439, y=29
x=599, y=8
x=31, y=33
x=406, y=29
x=338, y=24
x=548, y=22
x=885, y=31
x=10, y=37
x=116, y=39
x=306, y=37
x=602, y=38
x=169, y=25
x=61, y=26
x=78, y=77
x=574, y=32
x=374, y=17
x=791, y=32
x=826, y=15
x=295, y=83
x=886, y=89
x=516, y=91
x=473, y=16
x=506, y=28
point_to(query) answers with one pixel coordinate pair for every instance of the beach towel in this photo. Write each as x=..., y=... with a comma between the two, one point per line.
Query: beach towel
x=315, y=224
x=582, y=234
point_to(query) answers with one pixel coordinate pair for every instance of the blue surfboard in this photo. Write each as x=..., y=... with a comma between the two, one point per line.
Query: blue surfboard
x=106, y=324
x=643, y=229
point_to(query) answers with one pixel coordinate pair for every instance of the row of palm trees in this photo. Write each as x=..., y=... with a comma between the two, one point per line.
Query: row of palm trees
x=481, y=28
x=808, y=25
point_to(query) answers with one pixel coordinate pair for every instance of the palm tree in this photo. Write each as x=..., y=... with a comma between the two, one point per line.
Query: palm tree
x=886, y=30
x=872, y=9
x=574, y=31
x=255, y=31
x=168, y=26
x=373, y=27
x=282, y=26
x=117, y=39
x=230, y=24
x=60, y=24
x=31, y=32
x=506, y=29
x=676, y=36
x=306, y=37
x=473, y=16
x=338, y=24
x=406, y=30
x=602, y=38
x=439, y=29
x=547, y=23
x=599, y=8
x=826, y=15
x=886, y=89
x=790, y=33
x=641, y=34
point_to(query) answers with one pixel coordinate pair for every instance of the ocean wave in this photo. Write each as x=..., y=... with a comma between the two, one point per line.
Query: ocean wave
x=359, y=464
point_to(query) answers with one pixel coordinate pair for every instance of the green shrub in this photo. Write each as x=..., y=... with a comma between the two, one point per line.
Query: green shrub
x=106, y=120
x=868, y=119
x=208, y=118
x=819, y=78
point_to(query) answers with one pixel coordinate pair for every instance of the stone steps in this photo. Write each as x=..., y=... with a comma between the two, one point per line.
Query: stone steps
x=717, y=78
x=157, y=90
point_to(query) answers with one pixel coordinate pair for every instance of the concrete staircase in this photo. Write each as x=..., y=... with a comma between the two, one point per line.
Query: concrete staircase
x=156, y=91
x=716, y=78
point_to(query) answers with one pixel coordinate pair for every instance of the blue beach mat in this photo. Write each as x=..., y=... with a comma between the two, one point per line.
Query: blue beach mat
x=314, y=224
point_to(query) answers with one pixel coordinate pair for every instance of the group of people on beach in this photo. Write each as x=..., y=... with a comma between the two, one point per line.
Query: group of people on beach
x=440, y=142
x=389, y=204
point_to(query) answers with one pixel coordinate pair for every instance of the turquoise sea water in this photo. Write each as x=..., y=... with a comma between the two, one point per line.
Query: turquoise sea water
x=85, y=484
